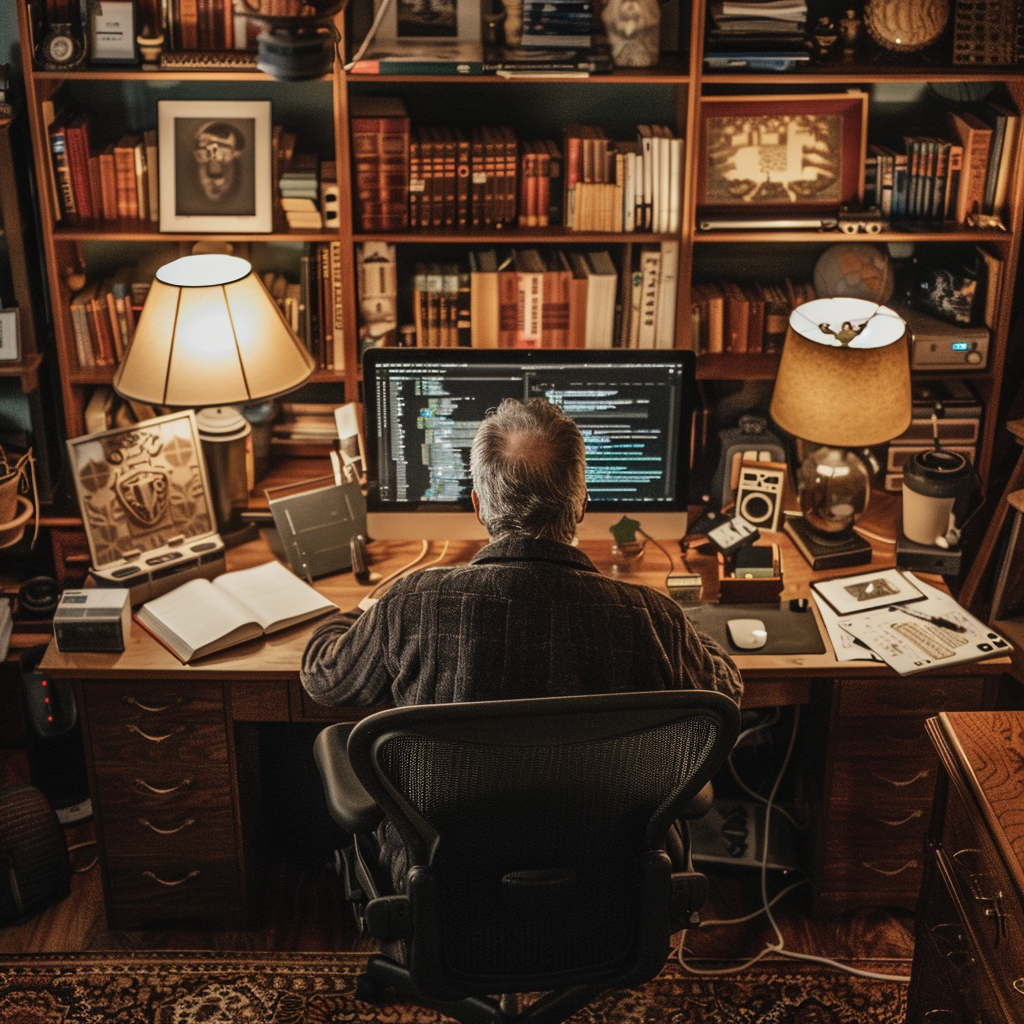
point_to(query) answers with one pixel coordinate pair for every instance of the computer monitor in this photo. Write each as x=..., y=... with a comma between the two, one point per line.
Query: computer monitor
x=423, y=406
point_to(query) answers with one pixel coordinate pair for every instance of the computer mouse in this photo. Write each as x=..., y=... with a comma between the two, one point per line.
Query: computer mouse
x=747, y=634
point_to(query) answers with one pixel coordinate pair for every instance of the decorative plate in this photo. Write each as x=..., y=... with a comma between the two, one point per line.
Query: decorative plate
x=906, y=25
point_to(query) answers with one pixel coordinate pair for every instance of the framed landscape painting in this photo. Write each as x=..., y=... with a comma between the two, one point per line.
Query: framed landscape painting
x=781, y=154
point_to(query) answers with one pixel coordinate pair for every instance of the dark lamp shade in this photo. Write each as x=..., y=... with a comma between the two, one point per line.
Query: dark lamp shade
x=846, y=396
x=211, y=334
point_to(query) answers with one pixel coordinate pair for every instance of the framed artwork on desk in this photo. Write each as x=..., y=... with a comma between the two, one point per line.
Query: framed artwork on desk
x=215, y=166
x=10, y=346
x=779, y=155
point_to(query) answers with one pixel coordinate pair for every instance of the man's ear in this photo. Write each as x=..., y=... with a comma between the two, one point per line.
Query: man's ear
x=476, y=506
x=583, y=511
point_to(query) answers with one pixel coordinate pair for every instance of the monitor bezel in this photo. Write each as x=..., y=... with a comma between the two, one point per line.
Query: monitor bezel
x=374, y=358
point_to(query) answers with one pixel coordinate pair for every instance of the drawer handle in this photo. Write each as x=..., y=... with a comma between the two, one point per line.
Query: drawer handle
x=906, y=741
x=995, y=911
x=143, y=784
x=913, y=816
x=170, y=883
x=900, y=784
x=872, y=865
x=155, y=739
x=1018, y=985
x=187, y=823
x=153, y=709
x=927, y=702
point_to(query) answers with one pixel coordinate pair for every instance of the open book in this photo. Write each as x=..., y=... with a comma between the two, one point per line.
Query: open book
x=203, y=616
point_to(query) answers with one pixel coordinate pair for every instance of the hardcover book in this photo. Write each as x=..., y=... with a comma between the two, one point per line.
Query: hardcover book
x=824, y=552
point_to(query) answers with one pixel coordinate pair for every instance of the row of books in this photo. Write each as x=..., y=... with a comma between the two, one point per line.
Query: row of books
x=947, y=178
x=447, y=177
x=211, y=24
x=524, y=298
x=744, y=317
x=105, y=311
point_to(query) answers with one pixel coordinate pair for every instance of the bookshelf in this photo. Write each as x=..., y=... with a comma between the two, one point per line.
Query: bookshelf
x=901, y=96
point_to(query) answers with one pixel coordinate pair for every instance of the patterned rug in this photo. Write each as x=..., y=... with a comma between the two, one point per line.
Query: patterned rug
x=317, y=988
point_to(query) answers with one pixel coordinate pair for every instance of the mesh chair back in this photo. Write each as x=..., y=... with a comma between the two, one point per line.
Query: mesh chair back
x=533, y=821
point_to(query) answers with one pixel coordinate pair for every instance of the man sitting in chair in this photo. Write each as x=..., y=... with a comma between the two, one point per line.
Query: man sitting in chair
x=529, y=616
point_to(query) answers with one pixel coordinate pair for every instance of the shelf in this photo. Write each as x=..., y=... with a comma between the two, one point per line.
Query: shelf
x=767, y=235
x=737, y=366
x=101, y=232
x=512, y=236
x=836, y=73
x=27, y=369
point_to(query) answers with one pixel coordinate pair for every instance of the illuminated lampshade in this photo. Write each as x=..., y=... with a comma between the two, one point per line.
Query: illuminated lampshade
x=843, y=383
x=847, y=395
x=211, y=334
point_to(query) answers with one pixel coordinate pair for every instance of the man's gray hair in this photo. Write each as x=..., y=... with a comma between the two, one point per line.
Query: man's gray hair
x=528, y=464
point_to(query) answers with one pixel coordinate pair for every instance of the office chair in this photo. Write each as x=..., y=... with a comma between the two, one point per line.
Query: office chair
x=535, y=833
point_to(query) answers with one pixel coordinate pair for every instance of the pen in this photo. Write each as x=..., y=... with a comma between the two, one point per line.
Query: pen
x=938, y=620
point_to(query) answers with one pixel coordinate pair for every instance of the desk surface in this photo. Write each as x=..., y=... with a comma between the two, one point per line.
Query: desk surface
x=278, y=656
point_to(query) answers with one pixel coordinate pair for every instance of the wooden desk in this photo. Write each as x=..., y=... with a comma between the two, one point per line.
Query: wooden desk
x=969, y=946
x=174, y=754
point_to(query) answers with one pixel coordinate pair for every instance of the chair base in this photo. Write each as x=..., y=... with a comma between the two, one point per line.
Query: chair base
x=382, y=973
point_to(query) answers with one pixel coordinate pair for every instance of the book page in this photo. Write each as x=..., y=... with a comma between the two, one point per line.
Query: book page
x=274, y=596
x=194, y=616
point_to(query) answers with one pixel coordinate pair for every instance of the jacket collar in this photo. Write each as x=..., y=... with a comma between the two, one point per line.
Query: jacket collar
x=516, y=548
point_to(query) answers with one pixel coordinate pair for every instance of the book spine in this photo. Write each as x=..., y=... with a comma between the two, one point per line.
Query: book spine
x=62, y=172
x=337, y=307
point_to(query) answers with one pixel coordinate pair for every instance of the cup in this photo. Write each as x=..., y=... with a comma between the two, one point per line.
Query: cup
x=936, y=483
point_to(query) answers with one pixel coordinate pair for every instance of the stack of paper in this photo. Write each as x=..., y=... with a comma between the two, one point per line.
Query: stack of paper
x=893, y=616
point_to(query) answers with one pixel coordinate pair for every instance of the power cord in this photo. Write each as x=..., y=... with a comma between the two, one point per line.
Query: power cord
x=779, y=946
x=730, y=764
x=411, y=565
x=369, y=37
x=661, y=547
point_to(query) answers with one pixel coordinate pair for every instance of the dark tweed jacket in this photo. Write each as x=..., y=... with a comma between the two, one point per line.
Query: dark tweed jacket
x=525, y=618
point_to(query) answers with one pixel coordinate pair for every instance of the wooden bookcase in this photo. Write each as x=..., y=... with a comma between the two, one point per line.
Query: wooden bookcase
x=671, y=93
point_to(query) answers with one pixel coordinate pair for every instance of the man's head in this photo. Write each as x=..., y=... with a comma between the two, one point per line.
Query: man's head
x=217, y=146
x=529, y=471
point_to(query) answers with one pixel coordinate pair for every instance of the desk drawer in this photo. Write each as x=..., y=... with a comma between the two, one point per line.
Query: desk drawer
x=909, y=696
x=154, y=812
x=876, y=786
x=872, y=877
x=885, y=739
x=160, y=722
x=146, y=890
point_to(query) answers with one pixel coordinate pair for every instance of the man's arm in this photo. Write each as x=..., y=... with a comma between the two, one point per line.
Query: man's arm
x=344, y=660
x=707, y=665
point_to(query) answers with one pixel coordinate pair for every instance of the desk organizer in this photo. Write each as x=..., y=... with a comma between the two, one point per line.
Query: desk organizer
x=734, y=589
x=145, y=501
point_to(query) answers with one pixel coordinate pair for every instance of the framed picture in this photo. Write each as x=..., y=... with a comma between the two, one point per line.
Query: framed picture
x=436, y=20
x=215, y=166
x=781, y=154
x=112, y=32
x=849, y=594
x=10, y=347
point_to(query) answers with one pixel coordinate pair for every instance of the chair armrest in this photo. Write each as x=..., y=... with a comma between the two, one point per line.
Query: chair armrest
x=348, y=803
x=699, y=805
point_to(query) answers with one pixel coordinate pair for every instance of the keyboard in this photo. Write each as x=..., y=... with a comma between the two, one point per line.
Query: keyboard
x=208, y=60
x=933, y=640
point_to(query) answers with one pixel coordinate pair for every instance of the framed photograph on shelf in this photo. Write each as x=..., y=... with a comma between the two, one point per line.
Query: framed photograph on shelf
x=779, y=155
x=215, y=166
x=10, y=344
x=112, y=32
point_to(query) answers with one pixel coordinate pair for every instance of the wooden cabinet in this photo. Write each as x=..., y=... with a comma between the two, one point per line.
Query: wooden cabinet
x=872, y=806
x=165, y=801
x=903, y=96
x=969, y=944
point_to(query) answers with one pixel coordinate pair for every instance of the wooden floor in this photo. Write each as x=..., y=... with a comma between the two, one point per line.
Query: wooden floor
x=306, y=911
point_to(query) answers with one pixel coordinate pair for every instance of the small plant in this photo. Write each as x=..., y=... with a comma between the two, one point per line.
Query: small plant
x=17, y=474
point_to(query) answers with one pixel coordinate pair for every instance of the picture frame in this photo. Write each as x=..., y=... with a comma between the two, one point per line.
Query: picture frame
x=10, y=337
x=453, y=21
x=867, y=590
x=215, y=166
x=112, y=32
x=779, y=155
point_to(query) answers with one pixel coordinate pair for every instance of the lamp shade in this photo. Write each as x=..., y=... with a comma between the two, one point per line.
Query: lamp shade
x=211, y=334
x=848, y=393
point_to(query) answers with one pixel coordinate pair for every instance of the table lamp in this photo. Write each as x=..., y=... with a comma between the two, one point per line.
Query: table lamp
x=210, y=336
x=843, y=384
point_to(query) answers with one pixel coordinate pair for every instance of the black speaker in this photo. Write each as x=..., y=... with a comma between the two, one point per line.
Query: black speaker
x=56, y=758
x=34, y=867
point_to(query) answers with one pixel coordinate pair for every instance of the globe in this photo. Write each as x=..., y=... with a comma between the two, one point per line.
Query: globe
x=855, y=270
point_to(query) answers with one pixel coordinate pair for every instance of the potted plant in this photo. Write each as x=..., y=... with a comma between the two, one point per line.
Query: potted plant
x=17, y=496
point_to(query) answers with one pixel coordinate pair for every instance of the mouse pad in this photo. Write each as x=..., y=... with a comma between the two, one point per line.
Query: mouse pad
x=789, y=632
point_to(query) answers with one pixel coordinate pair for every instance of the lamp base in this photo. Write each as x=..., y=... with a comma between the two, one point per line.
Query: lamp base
x=826, y=551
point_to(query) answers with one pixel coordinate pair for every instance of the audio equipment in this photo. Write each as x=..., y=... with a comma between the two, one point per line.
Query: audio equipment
x=98, y=619
x=759, y=494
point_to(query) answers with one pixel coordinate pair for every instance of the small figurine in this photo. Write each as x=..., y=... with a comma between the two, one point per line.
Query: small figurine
x=850, y=28
x=150, y=43
x=825, y=35
x=634, y=28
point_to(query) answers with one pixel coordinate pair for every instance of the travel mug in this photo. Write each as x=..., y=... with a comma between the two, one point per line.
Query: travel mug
x=933, y=482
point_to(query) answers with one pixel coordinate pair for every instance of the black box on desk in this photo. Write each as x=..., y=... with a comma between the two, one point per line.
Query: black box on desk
x=926, y=557
x=99, y=619
x=145, y=500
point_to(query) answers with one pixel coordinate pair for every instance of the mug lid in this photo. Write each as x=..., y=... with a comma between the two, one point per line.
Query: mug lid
x=937, y=472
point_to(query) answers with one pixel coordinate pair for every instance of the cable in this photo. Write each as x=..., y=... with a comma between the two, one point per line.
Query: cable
x=662, y=549
x=91, y=864
x=369, y=37
x=405, y=568
x=753, y=730
x=874, y=536
x=721, y=922
x=779, y=946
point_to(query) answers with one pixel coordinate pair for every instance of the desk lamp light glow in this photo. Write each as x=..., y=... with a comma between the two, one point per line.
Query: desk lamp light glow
x=843, y=384
x=211, y=336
